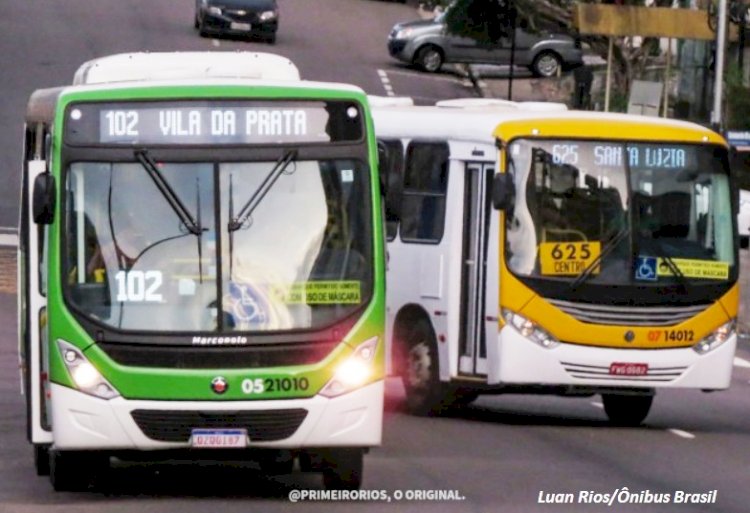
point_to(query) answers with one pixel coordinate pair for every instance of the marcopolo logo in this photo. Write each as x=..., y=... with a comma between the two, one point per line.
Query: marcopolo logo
x=219, y=385
x=219, y=341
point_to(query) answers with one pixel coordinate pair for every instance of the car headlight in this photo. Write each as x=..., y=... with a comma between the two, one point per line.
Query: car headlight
x=530, y=329
x=353, y=372
x=268, y=15
x=84, y=374
x=216, y=11
x=402, y=33
x=716, y=337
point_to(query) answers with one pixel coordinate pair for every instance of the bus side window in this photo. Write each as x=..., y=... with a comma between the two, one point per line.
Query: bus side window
x=425, y=187
x=392, y=166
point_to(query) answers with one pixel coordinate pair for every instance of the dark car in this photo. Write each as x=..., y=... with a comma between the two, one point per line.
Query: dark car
x=253, y=18
x=427, y=44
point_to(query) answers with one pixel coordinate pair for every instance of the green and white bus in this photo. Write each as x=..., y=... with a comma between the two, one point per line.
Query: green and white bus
x=201, y=268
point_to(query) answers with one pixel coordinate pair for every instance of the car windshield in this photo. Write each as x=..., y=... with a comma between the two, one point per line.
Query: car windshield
x=301, y=259
x=611, y=213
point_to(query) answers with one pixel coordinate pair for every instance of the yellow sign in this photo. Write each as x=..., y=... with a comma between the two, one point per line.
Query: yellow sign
x=707, y=269
x=631, y=20
x=568, y=258
x=318, y=293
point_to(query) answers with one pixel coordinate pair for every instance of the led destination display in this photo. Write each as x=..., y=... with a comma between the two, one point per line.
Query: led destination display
x=194, y=123
x=635, y=156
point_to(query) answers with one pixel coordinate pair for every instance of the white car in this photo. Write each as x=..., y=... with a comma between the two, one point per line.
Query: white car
x=743, y=218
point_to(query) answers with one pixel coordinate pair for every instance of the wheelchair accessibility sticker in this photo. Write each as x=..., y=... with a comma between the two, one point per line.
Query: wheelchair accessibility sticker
x=645, y=268
x=652, y=268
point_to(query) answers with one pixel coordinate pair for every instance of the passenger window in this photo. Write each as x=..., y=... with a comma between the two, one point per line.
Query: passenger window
x=423, y=198
x=392, y=165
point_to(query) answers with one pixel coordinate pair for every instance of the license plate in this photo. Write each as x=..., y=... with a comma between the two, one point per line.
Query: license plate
x=218, y=438
x=240, y=26
x=628, y=369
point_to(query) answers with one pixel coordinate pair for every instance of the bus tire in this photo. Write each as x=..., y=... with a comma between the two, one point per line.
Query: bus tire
x=425, y=393
x=74, y=471
x=343, y=469
x=277, y=463
x=41, y=459
x=627, y=410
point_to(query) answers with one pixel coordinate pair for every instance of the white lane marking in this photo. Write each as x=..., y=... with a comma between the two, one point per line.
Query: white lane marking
x=215, y=42
x=8, y=239
x=597, y=404
x=386, y=82
x=741, y=362
x=12, y=229
x=681, y=433
x=430, y=76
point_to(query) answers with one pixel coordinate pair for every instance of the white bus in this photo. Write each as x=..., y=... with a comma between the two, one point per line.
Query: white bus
x=608, y=264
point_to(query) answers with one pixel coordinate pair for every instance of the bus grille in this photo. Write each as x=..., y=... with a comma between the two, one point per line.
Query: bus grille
x=188, y=357
x=628, y=315
x=601, y=373
x=261, y=425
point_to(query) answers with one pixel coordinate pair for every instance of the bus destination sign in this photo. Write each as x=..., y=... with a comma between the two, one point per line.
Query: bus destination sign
x=203, y=123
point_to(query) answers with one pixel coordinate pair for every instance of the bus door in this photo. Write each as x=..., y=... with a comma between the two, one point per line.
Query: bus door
x=33, y=310
x=476, y=326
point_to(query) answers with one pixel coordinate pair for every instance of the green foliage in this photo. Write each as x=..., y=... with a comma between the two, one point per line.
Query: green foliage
x=432, y=4
x=483, y=20
x=737, y=99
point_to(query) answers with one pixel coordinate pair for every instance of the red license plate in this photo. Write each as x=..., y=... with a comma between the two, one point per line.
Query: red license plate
x=628, y=369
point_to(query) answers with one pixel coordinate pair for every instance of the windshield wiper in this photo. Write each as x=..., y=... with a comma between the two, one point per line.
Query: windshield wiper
x=606, y=250
x=169, y=194
x=675, y=270
x=235, y=223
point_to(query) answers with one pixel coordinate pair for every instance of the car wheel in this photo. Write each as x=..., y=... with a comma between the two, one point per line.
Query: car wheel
x=196, y=22
x=271, y=39
x=429, y=58
x=627, y=410
x=202, y=29
x=546, y=64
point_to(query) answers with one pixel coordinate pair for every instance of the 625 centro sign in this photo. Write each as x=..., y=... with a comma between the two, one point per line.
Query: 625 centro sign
x=568, y=258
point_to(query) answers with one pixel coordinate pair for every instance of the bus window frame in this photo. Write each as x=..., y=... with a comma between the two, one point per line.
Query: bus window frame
x=411, y=192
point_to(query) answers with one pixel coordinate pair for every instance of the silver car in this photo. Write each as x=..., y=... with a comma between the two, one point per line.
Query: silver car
x=427, y=44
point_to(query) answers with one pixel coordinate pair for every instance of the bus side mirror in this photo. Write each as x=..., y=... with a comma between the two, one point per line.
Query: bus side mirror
x=383, y=159
x=44, y=199
x=503, y=191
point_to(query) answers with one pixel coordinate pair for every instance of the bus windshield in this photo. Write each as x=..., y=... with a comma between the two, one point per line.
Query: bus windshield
x=301, y=259
x=614, y=213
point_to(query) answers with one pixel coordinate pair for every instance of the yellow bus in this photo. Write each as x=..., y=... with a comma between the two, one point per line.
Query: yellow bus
x=538, y=250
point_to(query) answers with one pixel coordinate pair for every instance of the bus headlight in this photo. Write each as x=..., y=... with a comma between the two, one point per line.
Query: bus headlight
x=529, y=329
x=353, y=372
x=85, y=376
x=716, y=337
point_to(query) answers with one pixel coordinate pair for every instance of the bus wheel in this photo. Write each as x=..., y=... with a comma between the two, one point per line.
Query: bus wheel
x=424, y=391
x=41, y=459
x=72, y=471
x=627, y=410
x=343, y=469
x=464, y=397
x=277, y=463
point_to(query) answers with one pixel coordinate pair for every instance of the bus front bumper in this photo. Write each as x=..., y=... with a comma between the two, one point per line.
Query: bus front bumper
x=81, y=421
x=517, y=360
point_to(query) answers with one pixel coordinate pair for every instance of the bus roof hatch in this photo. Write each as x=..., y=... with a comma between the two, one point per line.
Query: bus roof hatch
x=144, y=66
